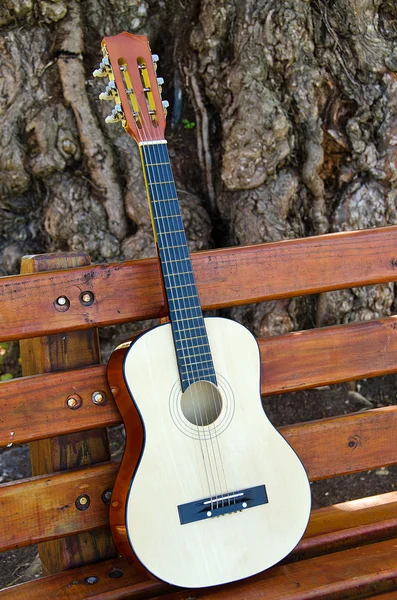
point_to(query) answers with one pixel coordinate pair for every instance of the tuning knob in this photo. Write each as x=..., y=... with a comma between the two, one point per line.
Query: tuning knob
x=104, y=68
x=116, y=115
x=165, y=104
x=110, y=92
x=155, y=58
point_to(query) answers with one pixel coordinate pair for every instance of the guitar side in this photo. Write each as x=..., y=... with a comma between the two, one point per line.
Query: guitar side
x=170, y=472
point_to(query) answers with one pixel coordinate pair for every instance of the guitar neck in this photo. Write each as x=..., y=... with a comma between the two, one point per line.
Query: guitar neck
x=190, y=336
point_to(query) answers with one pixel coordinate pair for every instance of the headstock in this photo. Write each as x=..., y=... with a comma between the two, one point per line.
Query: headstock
x=133, y=85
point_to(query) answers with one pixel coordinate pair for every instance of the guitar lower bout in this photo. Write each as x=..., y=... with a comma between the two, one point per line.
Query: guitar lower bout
x=202, y=498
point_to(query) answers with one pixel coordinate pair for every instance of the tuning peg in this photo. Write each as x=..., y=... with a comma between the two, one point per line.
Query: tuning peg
x=110, y=92
x=104, y=68
x=160, y=83
x=155, y=58
x=116, y=115
x=165, y=104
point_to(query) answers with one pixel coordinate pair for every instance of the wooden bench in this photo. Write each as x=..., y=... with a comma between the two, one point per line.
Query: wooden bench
x=54, y=306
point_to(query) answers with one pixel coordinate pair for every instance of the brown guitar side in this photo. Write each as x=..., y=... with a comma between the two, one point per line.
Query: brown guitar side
x=133, y=448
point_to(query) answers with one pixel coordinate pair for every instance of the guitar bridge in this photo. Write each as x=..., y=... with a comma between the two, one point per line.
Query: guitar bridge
x=208, y=508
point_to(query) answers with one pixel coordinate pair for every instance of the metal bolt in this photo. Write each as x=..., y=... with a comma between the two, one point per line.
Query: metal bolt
x=73, y=402
x=99, y=397
x=82, y=502
x=106, y=496
x=115, y=573
x=87, y=298
x=91, y=580
x=62, y=303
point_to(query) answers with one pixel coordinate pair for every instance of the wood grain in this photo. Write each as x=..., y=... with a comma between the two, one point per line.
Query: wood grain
x=224, y=277
x=43, y=507
x=57, y=352
x=355, y=573
x=289, y=362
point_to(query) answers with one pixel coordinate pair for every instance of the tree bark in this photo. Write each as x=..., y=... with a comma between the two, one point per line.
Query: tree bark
x=283, y=125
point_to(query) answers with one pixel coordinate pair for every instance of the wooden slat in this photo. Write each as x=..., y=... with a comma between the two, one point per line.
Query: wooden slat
x=358, y=572
x=355, y=573
x=72, y=584
x=328, y=355
x=43, y=508
x=290, y=362
x=131, y=291
x=33, y=408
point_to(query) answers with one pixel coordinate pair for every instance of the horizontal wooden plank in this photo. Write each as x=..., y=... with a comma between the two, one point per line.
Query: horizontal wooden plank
x=35, y=407
x=131, y=290
x=114, y=580
x=358, y=572
x=355, y=573
x=43, y=508
x=328, y=355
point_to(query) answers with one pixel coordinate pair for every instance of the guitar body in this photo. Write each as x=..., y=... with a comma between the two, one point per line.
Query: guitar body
x=171, y=462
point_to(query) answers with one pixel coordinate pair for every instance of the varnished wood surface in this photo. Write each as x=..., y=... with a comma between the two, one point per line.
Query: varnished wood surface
x=57, y=352
x=289, y=362
x=43, y=508
x=224, y=277
x=37, y=509
x=356, y=573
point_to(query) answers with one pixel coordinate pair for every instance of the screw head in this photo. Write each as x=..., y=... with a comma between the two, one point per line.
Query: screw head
x=106, y=496
x=99, y=397
x=73, y=402
x=87, y=298
x=82, y=502
x=62, y=303
x=91, y=580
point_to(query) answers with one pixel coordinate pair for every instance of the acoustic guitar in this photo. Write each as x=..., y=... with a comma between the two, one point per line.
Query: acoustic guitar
x=208, y=491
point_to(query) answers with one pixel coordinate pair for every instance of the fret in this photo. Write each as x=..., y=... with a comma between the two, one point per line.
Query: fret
x=179, y=274
x=190, y=336
x=170, y=232
x=204, y=370
x=196, y=354
x=188, y=319
x=209, y=361
x=168, y=217
x=178, y=287
x=160, y=182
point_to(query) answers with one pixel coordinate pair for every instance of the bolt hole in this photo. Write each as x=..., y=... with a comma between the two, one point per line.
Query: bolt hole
x=116, y=573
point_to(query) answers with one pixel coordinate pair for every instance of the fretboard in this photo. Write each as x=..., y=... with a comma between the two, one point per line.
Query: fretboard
x=190, y=336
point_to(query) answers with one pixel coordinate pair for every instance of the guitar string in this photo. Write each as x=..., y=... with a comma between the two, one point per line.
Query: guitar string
x=164, y=159
x=144, y=127
x=161, y=152
x=197, y=369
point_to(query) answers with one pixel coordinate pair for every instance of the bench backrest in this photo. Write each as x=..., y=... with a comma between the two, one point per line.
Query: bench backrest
x=46, y=507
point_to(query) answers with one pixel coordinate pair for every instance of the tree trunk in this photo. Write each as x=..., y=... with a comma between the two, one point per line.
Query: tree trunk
x=281, y=125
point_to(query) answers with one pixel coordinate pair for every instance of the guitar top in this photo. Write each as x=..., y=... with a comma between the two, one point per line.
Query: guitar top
x=208, y=491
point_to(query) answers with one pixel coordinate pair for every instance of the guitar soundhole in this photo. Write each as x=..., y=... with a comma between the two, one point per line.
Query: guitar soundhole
x=201, y=403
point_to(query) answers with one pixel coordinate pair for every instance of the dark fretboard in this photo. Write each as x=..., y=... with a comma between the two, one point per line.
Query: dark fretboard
x=188, y=327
